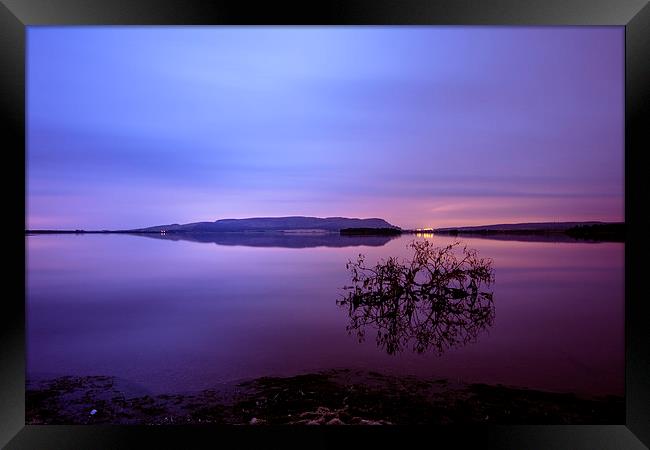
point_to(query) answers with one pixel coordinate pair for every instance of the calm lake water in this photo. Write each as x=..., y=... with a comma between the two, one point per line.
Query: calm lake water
x=171, y=315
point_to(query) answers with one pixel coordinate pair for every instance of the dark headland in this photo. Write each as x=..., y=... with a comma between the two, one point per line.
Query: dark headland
x=594, y=231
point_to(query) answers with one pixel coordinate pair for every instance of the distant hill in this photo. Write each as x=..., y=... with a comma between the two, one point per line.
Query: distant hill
x=271, y=224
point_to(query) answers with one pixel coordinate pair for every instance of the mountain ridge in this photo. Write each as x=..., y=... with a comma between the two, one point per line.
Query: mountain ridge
x=272, y=224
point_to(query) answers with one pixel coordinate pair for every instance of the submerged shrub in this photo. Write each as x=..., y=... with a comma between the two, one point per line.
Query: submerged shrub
x=434, y=300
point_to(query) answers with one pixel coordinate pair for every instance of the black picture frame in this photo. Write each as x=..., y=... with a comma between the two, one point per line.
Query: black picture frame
x=634, y=15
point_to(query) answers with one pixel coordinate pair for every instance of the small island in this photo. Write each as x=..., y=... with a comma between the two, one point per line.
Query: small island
x=370, y=232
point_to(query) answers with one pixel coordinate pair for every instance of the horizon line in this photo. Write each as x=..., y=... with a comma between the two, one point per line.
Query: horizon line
x=332, y=217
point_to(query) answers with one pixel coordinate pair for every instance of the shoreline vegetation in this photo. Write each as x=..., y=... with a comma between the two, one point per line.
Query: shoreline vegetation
x=331, y=397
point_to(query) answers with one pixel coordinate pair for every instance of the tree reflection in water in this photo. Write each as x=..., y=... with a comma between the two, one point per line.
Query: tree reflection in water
x=433, y=301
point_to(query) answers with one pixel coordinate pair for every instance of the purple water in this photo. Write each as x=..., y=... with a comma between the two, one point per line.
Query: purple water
x=174, y=316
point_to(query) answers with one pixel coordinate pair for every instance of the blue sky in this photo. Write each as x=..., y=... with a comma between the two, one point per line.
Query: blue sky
x=422, y=126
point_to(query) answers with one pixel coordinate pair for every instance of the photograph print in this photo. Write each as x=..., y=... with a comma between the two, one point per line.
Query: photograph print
x=316, y=225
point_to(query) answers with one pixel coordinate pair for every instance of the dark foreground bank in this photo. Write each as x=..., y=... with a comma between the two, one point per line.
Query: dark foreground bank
x=335, y=397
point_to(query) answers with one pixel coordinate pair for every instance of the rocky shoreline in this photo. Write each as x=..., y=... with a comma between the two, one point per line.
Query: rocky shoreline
x=334, y=397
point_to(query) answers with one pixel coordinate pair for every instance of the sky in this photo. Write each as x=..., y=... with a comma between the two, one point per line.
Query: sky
x=421, y=126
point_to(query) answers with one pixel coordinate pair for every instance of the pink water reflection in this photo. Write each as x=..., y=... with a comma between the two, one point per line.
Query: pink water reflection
x=178, y=316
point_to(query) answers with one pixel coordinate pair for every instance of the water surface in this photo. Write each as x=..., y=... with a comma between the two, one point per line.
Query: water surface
x=170, y=315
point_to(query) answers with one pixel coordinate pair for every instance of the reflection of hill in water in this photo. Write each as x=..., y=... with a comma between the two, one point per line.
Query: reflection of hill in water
x=275, y=239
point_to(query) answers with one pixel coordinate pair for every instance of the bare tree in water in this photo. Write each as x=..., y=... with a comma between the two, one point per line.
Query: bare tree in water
x=433, y=301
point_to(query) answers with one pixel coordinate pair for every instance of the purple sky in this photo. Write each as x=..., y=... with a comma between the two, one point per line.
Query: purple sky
x=422, y=126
